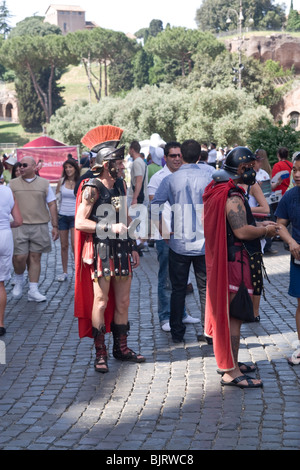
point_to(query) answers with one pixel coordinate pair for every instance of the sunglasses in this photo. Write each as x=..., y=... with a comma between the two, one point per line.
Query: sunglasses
x=174, y=155
x=23, y=165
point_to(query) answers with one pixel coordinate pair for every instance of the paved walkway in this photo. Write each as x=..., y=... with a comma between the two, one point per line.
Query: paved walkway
x=51, y=398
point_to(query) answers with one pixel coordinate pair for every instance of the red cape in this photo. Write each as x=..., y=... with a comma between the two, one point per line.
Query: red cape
x=84, y=294
x=217, y=320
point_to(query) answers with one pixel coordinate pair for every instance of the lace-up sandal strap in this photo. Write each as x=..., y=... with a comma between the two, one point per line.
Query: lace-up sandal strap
x=120, y=349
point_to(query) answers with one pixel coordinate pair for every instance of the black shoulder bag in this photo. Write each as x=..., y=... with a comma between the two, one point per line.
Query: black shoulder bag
x=241, y=306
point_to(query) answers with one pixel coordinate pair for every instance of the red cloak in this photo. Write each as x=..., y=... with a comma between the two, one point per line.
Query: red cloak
x=217, y=320
x=84, y=294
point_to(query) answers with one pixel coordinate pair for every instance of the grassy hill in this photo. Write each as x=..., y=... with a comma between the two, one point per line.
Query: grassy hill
x=14, y=133
x=76, y=83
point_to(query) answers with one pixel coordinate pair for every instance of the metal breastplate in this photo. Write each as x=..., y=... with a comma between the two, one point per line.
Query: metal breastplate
x=112, y=256
x=107, y=196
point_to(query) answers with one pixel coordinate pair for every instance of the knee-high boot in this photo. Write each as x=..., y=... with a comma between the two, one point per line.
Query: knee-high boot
x=120, y=348
x=100, y=363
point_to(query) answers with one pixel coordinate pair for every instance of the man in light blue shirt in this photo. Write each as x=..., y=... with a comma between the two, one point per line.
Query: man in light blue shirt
x=173, y=158
x=183, y=190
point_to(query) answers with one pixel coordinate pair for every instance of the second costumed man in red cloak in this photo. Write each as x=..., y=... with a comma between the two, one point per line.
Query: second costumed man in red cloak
x=104, y=252
x=232, y=241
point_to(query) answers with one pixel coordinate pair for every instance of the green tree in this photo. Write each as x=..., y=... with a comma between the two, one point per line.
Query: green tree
x=260, y=14
x=293, y=21
x=34, y=54
x=142, y=63
x=180, y=44
x=4, y=30
x=226, y=116
x=270, y=137
x=31, y=112
x=155, y=27
x=4, y=20
x=257, y=77
x=100, y=50
x=120, y=72
x=34, y=26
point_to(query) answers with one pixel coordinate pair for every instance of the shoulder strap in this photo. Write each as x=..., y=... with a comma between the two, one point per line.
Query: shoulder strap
x=288, y=164
x=242, y=262
x=119, y=185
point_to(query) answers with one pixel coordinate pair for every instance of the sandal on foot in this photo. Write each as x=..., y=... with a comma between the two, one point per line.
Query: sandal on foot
x=237, y=382
x=129, y=356
x=100, y=365
x=246, y=368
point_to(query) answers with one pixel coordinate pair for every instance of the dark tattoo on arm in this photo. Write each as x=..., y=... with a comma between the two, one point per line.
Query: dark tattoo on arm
x=237, y=215
x=90, y=195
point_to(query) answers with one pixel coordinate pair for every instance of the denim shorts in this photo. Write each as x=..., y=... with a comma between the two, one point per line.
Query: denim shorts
x=65, y=222
x=294, y=288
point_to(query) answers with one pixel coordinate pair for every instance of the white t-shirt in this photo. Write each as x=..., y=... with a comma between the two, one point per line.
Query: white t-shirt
x=139, y=168
x=212, y=156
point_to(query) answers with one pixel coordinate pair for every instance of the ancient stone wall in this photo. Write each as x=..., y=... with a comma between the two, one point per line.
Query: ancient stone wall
x=8, y=105
x=281, y=48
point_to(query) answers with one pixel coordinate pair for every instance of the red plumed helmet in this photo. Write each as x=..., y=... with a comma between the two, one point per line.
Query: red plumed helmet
x=102, y=136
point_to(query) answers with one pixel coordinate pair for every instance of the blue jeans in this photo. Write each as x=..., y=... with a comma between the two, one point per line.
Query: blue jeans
x=164, y=283
x=179, y=267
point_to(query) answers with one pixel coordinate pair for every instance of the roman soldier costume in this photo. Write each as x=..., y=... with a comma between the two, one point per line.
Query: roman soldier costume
x=103, y=254
x=220, y=248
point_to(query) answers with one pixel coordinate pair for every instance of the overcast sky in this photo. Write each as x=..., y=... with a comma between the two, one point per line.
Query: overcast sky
x=121, y=15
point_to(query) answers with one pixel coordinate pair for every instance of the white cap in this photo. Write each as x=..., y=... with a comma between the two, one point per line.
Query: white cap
x=11, y=161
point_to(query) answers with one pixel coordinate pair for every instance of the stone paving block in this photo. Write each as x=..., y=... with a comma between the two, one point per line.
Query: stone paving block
x=51, y=398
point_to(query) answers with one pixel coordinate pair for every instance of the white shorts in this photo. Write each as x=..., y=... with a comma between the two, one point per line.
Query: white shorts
x=6, y=252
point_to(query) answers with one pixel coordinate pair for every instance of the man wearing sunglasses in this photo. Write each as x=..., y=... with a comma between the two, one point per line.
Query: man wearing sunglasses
x=183, y=190
x=173, y=158
x=37, y=204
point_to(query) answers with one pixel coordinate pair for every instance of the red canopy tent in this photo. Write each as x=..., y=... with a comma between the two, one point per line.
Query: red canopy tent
x=52, y=152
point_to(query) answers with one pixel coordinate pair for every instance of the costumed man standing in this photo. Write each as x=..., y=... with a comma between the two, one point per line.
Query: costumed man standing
x=232, y=242
x=104, y=252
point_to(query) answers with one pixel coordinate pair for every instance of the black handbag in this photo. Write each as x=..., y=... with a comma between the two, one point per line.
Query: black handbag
x=241, y=307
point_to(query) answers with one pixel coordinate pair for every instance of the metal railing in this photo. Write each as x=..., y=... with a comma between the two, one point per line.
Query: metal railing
x=8, y=145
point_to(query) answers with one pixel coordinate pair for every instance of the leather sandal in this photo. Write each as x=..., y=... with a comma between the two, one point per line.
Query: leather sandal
x=100, y=365
x=243, y=378
x=120, y=349
x=244, y=368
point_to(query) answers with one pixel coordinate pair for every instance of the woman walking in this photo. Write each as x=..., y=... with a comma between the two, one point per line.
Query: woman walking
x=66, y=211
x=10, y=216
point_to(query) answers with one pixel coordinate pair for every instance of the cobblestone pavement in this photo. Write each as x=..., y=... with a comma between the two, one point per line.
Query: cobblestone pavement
x=51, y=397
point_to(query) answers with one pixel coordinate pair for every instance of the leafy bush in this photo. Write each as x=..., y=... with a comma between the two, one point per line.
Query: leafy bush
x=271, y=136
x=226, y=116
